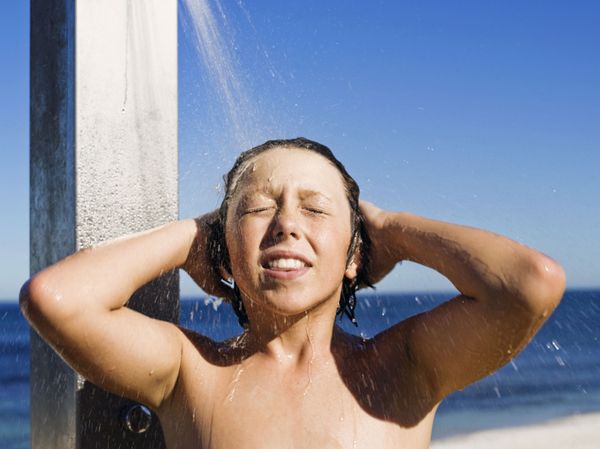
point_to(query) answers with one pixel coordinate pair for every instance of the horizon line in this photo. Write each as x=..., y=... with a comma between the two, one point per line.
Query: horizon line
x=188, y=297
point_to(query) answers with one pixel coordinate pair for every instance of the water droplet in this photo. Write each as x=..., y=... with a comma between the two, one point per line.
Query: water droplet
x=553, y=346
x=216, y=302
x=312, y=354
x=235, y=382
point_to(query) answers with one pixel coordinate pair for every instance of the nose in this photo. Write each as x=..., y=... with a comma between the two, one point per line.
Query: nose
x=285, y=225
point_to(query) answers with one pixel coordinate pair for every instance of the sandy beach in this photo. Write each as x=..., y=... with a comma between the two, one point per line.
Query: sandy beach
x=575, y=432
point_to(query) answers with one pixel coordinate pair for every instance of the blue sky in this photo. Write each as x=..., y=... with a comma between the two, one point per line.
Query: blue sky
x=475, y=112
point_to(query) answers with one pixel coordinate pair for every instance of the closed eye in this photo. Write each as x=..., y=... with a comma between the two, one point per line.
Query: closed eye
x=315, y=211
x=256, y=210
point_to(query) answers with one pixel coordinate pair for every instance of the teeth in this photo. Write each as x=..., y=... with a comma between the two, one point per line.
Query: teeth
x=286, y=263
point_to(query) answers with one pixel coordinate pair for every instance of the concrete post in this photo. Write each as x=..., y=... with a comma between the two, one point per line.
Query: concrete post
x=103, y=163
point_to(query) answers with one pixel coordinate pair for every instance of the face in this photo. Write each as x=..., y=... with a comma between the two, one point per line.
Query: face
x=288, y=232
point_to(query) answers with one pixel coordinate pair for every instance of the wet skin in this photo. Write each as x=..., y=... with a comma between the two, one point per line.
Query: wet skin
x=293, y=379
x=341, y=398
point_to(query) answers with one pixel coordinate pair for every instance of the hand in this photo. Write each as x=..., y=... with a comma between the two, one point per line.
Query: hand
x=383, y=255
x=198, y=264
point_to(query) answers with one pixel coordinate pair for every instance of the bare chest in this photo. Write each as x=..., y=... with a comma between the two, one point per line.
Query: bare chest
x=251, y=407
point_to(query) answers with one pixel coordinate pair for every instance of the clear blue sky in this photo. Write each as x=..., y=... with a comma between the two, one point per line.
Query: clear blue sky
x=475, y=112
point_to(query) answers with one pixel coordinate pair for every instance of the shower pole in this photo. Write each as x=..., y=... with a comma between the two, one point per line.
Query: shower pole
x=103, y=140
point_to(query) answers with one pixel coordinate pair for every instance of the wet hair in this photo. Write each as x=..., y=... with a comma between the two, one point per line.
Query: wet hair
x=360, y=242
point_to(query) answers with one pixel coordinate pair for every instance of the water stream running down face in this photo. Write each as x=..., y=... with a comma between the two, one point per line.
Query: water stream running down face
x=312, y=354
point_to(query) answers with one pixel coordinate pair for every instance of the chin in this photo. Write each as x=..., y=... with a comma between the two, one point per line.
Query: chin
x=291, y=304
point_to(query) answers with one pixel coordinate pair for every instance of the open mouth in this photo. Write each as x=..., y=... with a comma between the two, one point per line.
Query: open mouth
x=285, y=264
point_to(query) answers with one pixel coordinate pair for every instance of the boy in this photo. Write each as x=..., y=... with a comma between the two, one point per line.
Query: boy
x=294, y=244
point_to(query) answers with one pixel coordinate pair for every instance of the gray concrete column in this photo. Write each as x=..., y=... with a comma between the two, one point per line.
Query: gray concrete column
x=103, y=163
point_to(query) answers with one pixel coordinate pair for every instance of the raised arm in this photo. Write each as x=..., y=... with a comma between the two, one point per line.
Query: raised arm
x=507, y=291
x=77, y=305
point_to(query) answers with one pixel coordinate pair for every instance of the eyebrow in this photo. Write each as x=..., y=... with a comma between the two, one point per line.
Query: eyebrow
x=304, y=193
x=309, y=193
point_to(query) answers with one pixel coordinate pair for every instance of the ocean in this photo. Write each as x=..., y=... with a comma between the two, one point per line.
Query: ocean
x=557, y=375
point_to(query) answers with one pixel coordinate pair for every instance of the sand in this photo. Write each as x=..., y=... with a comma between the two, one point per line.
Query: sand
x=575, y=432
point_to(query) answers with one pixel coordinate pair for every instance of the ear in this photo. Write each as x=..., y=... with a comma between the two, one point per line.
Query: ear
x=352, y=268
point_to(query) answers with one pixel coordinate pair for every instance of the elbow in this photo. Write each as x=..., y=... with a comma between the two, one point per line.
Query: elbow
x=40, y=303
x=544, y=285
x=32, y=298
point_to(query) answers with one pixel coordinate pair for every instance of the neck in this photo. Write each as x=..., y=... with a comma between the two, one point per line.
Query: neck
x=294, y=340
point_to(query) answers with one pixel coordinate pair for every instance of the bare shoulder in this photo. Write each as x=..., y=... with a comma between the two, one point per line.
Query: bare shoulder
x=204, y=359
x=381, y=377
x=204, y=370
x=391, y=351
